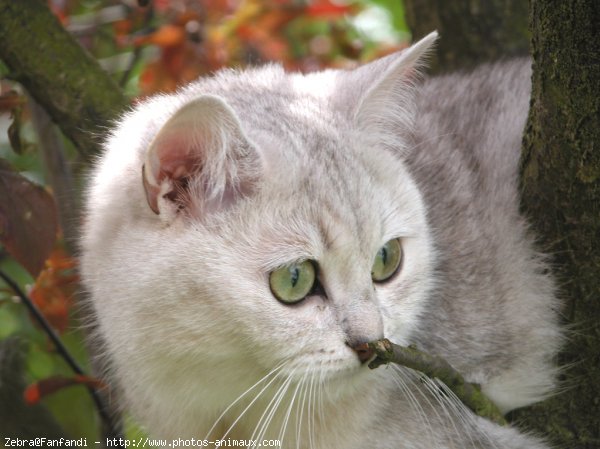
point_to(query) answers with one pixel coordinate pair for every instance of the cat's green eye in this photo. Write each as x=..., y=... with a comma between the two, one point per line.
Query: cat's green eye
x=292, y=283
x=387, y=261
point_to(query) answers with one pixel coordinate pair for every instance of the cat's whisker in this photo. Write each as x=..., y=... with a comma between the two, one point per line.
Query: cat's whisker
x=320, y=411
x=321, y=388
x=418, y=381
x=432, y=387
x=463, y=413
x=288, y=414
x=265, y=419
x=447, y=396
x=276, y=407
x=262, y=421
x=300, y=411
x=317, y=404
x=399, y=379
x=310, y=411
x=275, y=371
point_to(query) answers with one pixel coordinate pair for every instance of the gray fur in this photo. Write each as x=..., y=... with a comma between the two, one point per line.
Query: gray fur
x=327, y=166
x=493, y=306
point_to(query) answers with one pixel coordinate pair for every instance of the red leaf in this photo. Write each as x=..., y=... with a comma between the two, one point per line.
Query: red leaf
x=38, y=390
x=54, y=288
x=32, y=394
x=28, y=221
x=326, y=9
x=166, y=36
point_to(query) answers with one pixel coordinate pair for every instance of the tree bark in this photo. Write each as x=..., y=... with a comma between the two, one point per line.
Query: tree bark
x=560, y=179
x=62, y=77
x=471, y=31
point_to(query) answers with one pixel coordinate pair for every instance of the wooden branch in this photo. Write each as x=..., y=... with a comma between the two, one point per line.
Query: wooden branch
x=436, y=367
x=62, y=77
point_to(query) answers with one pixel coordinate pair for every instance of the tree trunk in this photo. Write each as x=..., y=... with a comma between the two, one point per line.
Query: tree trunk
x=471, y=31
x=560, y=178
x=560, y=170
x=61, y=76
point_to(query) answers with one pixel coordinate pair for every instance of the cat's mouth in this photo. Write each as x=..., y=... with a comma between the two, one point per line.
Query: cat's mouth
x=329, y=366
x=363, y=351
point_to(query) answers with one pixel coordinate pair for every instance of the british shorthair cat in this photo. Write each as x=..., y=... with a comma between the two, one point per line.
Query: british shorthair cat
x=244, y=235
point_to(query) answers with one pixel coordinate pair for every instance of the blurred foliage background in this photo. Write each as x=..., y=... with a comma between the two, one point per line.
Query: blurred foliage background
x=148, y=47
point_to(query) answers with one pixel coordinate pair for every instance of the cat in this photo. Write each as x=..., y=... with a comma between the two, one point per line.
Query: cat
x=245, y=235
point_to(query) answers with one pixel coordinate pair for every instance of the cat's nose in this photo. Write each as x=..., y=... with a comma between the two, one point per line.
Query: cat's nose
x=363, y=351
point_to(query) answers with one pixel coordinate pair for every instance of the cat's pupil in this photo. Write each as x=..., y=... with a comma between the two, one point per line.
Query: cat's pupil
x=295, y=272
x=384, y=255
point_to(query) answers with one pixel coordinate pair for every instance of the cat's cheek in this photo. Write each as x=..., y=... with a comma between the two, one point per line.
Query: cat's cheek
x=312, y=315
x=401, y=313
x=310, y=329
x=404, y=299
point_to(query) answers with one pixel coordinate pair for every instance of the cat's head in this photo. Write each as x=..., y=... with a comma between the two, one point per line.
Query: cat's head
x=263, y=220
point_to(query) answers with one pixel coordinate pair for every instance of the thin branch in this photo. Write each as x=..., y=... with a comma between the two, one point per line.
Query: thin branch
x=435, y=367
x=61, y=349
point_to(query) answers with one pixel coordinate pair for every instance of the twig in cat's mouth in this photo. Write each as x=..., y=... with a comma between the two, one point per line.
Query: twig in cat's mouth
x=436, y=368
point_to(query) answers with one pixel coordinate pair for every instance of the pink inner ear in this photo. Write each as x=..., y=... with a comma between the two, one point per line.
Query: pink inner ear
x=174, y=157
x=171, y=157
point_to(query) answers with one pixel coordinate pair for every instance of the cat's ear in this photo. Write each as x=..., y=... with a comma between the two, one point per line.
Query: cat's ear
x=380, y=94
x=200, y=160
x=391, y=76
